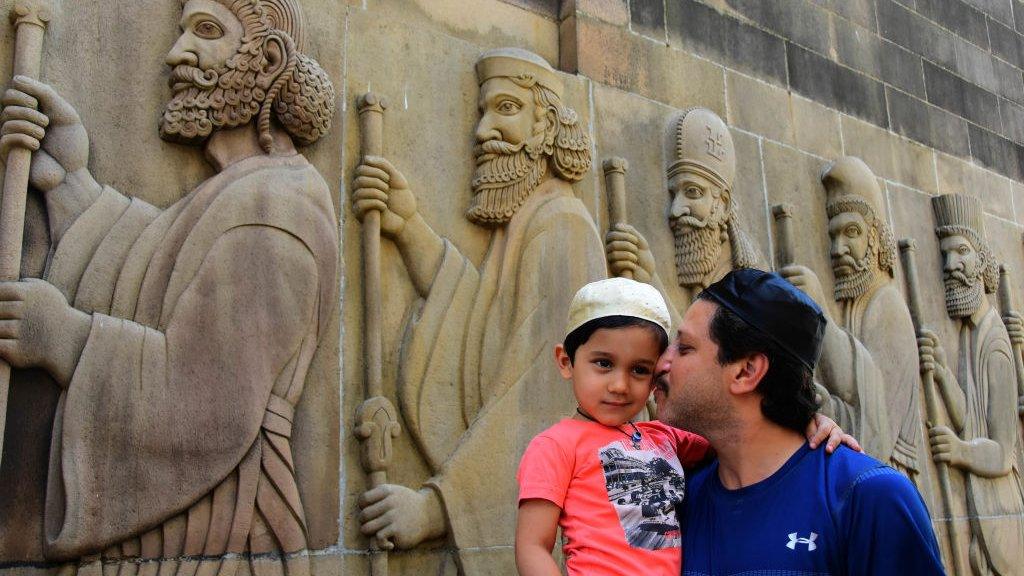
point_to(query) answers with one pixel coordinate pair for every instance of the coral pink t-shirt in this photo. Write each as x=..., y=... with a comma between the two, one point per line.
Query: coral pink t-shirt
x=618, y=501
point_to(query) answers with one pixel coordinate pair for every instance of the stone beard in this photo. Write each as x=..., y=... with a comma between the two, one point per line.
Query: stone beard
x=963, y=292
x=218, y=98
x=858, y=275
x=505, y=176
x=699, y=244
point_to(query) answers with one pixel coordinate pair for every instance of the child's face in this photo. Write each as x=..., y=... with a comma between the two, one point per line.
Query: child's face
x=613, y=372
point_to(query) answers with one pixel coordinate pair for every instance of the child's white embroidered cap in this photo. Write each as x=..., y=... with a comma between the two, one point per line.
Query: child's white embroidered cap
x=618, y=297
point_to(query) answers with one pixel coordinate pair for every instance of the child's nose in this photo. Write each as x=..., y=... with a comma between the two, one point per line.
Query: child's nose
x=619, y=383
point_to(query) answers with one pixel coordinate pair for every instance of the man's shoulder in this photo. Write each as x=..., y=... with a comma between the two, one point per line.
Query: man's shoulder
x=850, y=473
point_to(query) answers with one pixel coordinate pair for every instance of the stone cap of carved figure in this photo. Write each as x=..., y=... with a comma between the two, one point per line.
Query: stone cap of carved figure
x=703, y=144
x=849, y=179
x=618, y=297
x=517, y=63
x=958, y=213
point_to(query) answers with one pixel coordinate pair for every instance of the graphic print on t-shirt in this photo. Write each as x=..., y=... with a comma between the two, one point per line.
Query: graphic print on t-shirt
x=644, y=487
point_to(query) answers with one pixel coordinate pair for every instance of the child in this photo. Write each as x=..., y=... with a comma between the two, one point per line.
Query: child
x=611, y=484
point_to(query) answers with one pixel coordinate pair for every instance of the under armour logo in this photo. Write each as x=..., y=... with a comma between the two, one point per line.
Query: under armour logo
x=714, y=143
x=793, y=541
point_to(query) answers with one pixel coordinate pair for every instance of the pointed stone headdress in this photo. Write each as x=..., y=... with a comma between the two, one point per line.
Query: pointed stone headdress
x=520, y=64
x=851, y=186
x=961, y=215
x=704, y=145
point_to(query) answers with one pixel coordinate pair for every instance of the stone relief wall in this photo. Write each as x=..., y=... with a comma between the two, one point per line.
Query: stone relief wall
x=480, y=249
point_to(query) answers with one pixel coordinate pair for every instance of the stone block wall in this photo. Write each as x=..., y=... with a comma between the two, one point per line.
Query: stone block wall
x=929, y=93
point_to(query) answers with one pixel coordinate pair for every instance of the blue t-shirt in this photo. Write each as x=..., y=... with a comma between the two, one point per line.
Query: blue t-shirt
x=844, y=513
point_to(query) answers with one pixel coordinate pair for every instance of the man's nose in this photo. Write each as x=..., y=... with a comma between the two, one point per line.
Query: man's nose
x=839, y=248
x=953, y=262
x=679, y=207
x=485, y=131
x=181, y=53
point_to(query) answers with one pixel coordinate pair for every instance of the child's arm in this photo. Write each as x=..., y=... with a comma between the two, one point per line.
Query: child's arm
x=536, y=527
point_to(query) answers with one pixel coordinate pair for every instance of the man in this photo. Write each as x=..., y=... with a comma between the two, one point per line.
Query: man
x=869, y=386
x=980, y=396
x=475, y=376
x=190, y=330
x=740, y=374
x=703, y=212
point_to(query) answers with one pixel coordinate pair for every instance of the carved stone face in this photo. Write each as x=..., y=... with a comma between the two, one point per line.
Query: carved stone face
x=854, y=256
x=962, y=275
x=509, y=160
x=698, y=217
x=214, y=76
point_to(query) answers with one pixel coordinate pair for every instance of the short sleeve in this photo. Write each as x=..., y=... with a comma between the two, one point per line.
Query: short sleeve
x=888, y=528
x=544, y=471
x=691, y=448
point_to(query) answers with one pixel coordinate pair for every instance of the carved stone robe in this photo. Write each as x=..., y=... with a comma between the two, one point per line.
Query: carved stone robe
x=986, y=373
x=477, y=376
x=171, y=442
x=882, y=345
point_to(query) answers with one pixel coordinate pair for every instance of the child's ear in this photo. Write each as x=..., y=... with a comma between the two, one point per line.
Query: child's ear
x=563, y=361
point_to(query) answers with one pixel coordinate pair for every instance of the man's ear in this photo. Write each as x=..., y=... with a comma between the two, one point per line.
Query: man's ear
x=276, y=53
x=747, y=373
x=563, y=361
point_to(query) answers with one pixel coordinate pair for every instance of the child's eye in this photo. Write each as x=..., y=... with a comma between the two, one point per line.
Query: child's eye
x=603, y=363
x=641, y=371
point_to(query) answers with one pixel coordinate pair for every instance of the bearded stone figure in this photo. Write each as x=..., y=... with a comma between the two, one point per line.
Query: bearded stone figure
x=703, y=214
x=181, y=337
x=980, y=396
x=869, y=386
x=475, y=371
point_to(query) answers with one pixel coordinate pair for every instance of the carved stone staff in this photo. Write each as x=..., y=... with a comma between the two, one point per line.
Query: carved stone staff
x=30, y=18
x=784, y=247
x=615, y=185
x=907, y=256
x=1007, y=308
x=376, y=419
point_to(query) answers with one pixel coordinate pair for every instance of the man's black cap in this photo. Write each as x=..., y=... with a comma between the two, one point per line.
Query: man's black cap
x=775, y=307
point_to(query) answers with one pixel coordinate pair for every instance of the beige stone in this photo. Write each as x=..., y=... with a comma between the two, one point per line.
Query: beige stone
x=816, y=128
x=668, y=75
x=182, y=364
x=759, y=107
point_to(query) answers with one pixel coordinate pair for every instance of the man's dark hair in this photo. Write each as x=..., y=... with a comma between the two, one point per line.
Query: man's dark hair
x=787, y=388
x=579, y=336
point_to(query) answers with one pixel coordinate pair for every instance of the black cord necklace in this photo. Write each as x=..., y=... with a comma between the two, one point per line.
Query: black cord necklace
x=635, y=436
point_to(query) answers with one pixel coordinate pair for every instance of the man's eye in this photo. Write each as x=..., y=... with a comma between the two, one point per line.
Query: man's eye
x=508, y=107
x=852, y=231
x=682, y=348
x=209, y=30
x=963, y=250
x=694, y=192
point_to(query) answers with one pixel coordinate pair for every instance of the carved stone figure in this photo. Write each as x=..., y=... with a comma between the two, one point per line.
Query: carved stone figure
x=475, y=370
x=869, y=386
x=980, y=396
x=182, y=337
x=703, y=212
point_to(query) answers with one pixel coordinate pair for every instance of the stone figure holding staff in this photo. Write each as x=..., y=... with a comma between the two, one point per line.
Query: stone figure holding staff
x=181, y=337
x=475, y=375
x=980, y=394
x=868, y=384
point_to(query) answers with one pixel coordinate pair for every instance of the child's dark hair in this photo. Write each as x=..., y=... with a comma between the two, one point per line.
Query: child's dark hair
x=579, y=336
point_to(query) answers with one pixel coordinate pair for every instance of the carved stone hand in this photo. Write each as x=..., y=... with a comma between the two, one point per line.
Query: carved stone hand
x=627, y=251
x=39, y=329
x=1015, y=327
x=64, y=149
x=805, y=279
x=948, y=447
x=380, y=186
x=931, y=354
x=402, y=515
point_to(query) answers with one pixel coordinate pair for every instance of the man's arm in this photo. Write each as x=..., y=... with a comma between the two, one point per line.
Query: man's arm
x=886, y=527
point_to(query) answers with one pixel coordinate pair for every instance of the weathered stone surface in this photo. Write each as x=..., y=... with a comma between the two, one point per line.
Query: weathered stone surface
x=861, y=12
x=816, y=128
x=648, y=18
x=1010, y=80
x=702, y=30
x=611, y=11
x=1001, y=10
x=862, y=50
x=916, y=33
x=759, y=107
x=927, y=124
x=835, y=85
x=960, y=97
x=798, y=21
x=1012, y=116
x=1007, y=43
x=955, y=15
x=996, y=152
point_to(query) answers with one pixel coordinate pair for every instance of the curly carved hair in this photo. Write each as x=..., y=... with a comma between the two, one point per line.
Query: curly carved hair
x=565, y=140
